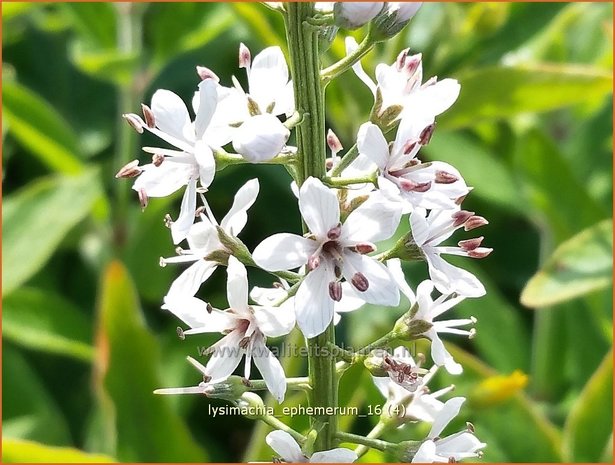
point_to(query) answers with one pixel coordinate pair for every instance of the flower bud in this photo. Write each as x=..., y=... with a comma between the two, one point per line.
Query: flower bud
x=253, y=404
x=409, y=329
x=352, y=15
x=392, y=19
x=230, y=389
x=261, y=138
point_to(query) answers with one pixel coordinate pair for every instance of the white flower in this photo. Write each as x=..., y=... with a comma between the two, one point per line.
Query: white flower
x=430, y=230
x=332, y=251
x=401, y=84
x=458, y=446
x=351, y=15
x=402, y=176
x=203, y=240
x=428, y=310
x=245, y=327
x=289, y=451
x=260, y=138
x=172, y=169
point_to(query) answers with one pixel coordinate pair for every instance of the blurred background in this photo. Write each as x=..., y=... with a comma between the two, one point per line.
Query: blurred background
x=84, y=340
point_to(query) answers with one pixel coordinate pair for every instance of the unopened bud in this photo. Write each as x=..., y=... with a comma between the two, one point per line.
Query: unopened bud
x=335, y=290
x=360, y=282
x=393, y=18
x=460, y=217
x=400, y=62
x=412, y=63
x=426, y=134
x=475, y=222
x=261, y=138
x=148, y=114
x=130, y=170
x=352, y=15
x=252, y=404
x=245, y=58
x=134, y=121
x=206, y=73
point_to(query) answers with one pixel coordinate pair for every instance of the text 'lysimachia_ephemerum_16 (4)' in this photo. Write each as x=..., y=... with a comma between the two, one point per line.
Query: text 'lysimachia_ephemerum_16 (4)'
x=349, y=204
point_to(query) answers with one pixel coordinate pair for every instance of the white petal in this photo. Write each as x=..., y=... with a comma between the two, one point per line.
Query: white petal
x=410, y=128
x=371, y=143
x=225, y=359
x=188, y=283
x=449, y=278
x=181, y=226
x=394, y=266
x=283, y=251
x=271, y=369
x=351, y=300
x=380, y=290
x=449, y=411
x=193, y=312
x=163, y=180
x=260, y=138
x=374, y=220
x=319, y=207
x=419, y=225
x=426, y=453
x=207, y=165
x=237, y=287
x=171, y=113
x=351, y=15
x=268, y=76
x=441, y=356
x=382, y=383
x=203, y=236
x=285, y=446
x=339, y=455
x=236, y=218
x=275, y=321
x=436, y=98
x=313, y=305
x=208, y=100
x=351, y=47
x=461, y=445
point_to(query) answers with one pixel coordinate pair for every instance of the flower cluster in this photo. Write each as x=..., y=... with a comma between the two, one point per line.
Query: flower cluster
x=336, y=264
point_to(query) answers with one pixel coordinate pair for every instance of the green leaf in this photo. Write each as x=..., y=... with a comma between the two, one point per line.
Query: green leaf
x=45, y=321
x=580, y=265
x=590, y=421
x=20, y=451
x=36, y=219
x=501, y=92
x=28, y=410
x=107, y=65
x=96, y=22
x=127, y=359
x=40, y=129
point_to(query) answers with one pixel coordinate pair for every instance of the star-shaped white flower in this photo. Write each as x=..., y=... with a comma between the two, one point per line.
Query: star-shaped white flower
x=402, y=176
x=430, y=230
x=458, y=446
x=333, y=251
x=401, y=84
x=245, y=327
x=289, y=451
x=192, y=159
x=203, y=240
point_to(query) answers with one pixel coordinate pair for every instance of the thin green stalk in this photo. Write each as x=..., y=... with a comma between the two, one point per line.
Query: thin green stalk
x=375, y=433
x=345, y=182
x=305, y=68
x=369, y=442
x=277, y=424
x=350, y=156
x=346, y=63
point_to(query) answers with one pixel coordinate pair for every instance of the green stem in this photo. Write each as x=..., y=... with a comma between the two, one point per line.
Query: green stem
x=346, y=63
x=277, y=424
x=224, y=159
x=376, y=432
x=295, y=384
x=347, y=159
x=378, y=344
x=344, y=182
x=309, y=99
x=366, y=441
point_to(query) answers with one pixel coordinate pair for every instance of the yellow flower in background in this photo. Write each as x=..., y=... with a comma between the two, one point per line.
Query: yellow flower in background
x=497, y=389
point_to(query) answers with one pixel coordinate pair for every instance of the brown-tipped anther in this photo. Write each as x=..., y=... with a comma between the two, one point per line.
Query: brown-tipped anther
x=412, y=162
x=444, y=177
x=245, y=58
x=459, y=200
x=134, y=121
x=180, y=333
x=365, y=248
x=313, y=262
x=426, y=134
x=481, y=252
x=206, y=73
x=333, y=142
x=209, y=308
x=452, y=460
x=471, y=244
x=337, y=271
x=335, y=290
x=157, y=159
x=148, y=115
x=470, y=427
x=162, y=262
x=475, y=222
x=360, y=282
x=278, y=285
x=199, y=211
x=143, y=198
x=409, y=186
x=168, y=221
x=401, y=59
x=412, y=63
x=130, y=170
x=461, y=217
x=329, y=164
x=253, y=107
x=334, y=233
x=244, y=342
x=206, y=379
x=430, y=82
x=409, y=146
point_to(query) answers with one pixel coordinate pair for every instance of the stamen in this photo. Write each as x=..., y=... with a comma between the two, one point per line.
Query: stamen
x=338, y=272
x=470, y=427
x=278, y=285
x=206, y=379
x=134, y=121
x=313, y=262
x=245, y=58
x=443, y=177
x=246, y=382
x=244, y=342
x=426, y=134
x=206, y=73
x=180, y=333
x=364, y=248
x=130, y=170
x=475, y=222
x=148, y=114
x=360, y=282
x=430, y=82
x=162, y=262
x=412, y=63
x=199, y=211
x=209, y=308
x=410, y=186
x=335, y=290
x=470, y=244
x=461, y=217
x=401, y=59
x=333, y=142
x=480, y=253
x=335, y=232
x=143, y=198
x=409, y=146
x=168, y=221
x=472, y=334
x=157, y=159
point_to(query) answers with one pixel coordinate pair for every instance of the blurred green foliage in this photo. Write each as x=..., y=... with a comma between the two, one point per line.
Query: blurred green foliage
x=85, y=342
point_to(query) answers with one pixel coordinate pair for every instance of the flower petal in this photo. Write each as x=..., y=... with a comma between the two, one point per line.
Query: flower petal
x=237, y=287
x=426, y=453
x=285, y=446
x=449, y=411
x=208, y=100
x=283, y=251
x=188, y=283
x=419, y=225
x=193, y=312
x=163, y=180
x=171, y=113
x=205, y=160
x=441, y=356
x=339, y=455
x=271, y=369
x=260, y=138
x=449, y=278
x=319, y=207
x=181, y=226
x=394, y=266
x=380, y=290
x=313, y=305
x=371, y=143
x=374, y=220
x=226, y=357
x=267, y=76
x=275, y=321
x=236, y=218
